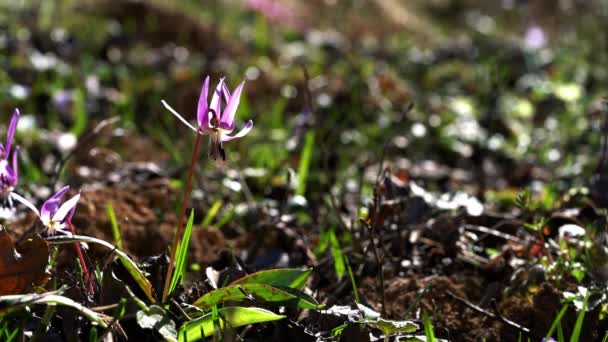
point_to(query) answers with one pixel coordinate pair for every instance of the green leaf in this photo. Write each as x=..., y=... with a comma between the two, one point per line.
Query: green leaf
x=429, y=332
x=288, y=277
x=156, y=318
x=16, y=302
x=232, y=316
x=182, y=254
x=390, y=327
x=336, y=252
x=129, y=264
x=305, y=158
x=115, y=228
x=212, y=213
x=80, y=113
x=556, y=321
x=580, y=318
x=260, y=292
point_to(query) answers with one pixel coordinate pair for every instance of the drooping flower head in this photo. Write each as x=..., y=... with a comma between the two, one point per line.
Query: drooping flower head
x=211, y=120
x=52, y=214
x=9, y=173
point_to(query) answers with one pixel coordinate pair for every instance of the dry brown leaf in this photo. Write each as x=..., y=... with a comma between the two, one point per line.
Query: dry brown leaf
x=18, y=271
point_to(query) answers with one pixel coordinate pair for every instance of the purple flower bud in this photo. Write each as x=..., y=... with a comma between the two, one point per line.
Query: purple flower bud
x=9, y=173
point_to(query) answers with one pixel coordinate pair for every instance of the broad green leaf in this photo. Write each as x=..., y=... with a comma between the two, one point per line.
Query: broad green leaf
x=289, y=277
x=259, y=292
x=16, y=302
x=231, y=316
x=129, y=264
x=156, y=318
x=182, y=254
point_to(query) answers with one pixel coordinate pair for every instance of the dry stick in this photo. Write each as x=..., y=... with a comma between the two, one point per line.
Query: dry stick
x=83, y=264
x=373, y=226
x=498, y=316
x=180, y=223
x=63, y=161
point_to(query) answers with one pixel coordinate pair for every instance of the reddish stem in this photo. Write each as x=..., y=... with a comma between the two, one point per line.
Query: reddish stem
x=85, y=270
x=180, y=222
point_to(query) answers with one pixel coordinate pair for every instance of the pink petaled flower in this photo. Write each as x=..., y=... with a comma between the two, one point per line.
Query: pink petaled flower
x=9, y=173
x=274, y=11
x=211, y=119
x=52, y=214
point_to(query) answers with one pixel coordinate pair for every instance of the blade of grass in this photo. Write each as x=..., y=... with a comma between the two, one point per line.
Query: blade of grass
x=428, y=327
x=352, y=280
x=182, y=254
x=212, y=213
x=556, y=321
x=80, y=113
x=578, y=326
x=305, y=162
x=225, y=218
x=115, y=229
x=336, y=252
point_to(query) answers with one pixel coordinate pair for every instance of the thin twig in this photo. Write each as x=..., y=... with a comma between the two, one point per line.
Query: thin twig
x=63, y=161
x=493, y=232
x=497, y=316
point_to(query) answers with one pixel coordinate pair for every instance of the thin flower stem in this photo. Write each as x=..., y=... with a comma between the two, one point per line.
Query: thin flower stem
x=83, y=264
x=182, y=215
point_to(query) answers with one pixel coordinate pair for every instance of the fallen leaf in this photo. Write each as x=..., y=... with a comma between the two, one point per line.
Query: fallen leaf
x=18, y=271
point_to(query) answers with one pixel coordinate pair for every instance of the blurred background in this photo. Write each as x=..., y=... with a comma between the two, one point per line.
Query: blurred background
x=461, y=95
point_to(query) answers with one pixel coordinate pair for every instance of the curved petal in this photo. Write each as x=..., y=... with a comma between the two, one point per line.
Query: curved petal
x=50, y=206
x=12, y=127
x=227, y=121
x=66, y=208
x=226, y=91
x=25, y=202
x=240, y=134
x=15, y=167
x=60, y=193
x=178, y=116
x=202, y=112
x=216, y=100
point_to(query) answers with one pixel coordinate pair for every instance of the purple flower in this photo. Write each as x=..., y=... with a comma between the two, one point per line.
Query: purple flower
x=275, y=11
x=211, y=119
x=535, y=38
x=9, y=173
x=52, y=214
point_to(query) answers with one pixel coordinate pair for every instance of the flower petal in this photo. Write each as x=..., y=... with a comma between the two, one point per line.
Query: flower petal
x=50, y=206
x=226, y=91
x=60, y=193
x=25, y=202
x=240, y=134
x=216, y=100
x=15, y=168
x=179, y=116
x=227, y=121
x=202, y=113
x=66, y=209
x=12, y=127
